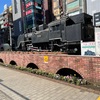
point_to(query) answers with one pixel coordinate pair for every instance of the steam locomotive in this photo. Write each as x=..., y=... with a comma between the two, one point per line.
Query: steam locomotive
x=63, y=35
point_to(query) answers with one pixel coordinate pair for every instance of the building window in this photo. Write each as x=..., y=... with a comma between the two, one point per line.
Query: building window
x=20, y=26
x=55, y=28
x=92, y=0
x=15, y=6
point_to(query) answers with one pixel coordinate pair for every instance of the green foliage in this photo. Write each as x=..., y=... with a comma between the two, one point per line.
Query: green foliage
x=51, y=75
x=78, y=82
x=2, y=64
x=69, y=78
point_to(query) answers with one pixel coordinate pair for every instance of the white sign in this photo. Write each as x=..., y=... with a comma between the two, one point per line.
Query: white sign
x=97, y=40
x=87, y=48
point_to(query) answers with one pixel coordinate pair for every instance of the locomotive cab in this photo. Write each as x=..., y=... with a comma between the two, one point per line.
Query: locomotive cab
x=81, y=30
x=55, y=36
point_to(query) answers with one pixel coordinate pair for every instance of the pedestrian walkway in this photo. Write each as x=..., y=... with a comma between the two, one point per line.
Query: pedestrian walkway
x=98, y=98
x=15, y=85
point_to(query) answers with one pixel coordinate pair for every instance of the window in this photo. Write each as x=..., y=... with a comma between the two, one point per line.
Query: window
x=92, y=0
x=29, y=17
x=20, y=29
x=56, y=28
x=15, y=6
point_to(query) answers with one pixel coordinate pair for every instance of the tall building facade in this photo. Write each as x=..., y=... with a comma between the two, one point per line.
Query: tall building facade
x=1, y=21
x=47, y=11
x=6, y=22
x=57, y=6
x=93, y=6
x=27, y=14
x=1, y=29
x=74, y=7
x=17, y=17
x=34, y=13
x=68, y=7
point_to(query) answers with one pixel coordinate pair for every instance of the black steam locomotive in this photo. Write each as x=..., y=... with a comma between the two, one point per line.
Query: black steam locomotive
x=63, y=35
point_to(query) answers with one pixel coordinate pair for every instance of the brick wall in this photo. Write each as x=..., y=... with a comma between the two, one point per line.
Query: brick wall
x=87, y=67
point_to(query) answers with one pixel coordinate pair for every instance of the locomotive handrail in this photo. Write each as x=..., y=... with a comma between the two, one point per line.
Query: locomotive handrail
x=22, y=42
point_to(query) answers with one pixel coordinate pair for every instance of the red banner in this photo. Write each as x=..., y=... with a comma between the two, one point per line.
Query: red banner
x=29, y=12
x=28, y=4
x=6, y=24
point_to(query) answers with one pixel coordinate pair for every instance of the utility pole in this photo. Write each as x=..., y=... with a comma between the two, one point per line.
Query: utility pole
x=44, y=17
x=64, y=7
x=10, y=36
x=84, y=6
x=24, y=16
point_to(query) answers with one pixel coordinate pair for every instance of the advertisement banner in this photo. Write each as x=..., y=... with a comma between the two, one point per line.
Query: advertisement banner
x=87, y=48
x=97, y=40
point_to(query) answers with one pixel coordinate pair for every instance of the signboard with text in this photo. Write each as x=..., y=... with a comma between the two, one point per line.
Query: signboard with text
x=97, y=19
x=87, y=48
x=97, y=40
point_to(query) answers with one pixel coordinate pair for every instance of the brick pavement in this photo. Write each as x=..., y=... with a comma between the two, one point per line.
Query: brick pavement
x=15, y=85
x=4, y=96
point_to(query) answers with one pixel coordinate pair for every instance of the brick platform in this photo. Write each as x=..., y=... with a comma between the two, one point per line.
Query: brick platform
x=87, y=67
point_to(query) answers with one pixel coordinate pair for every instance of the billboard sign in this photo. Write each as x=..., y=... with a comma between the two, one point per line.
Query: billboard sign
x=87, y=48
x=97, y=40
x=97, y=19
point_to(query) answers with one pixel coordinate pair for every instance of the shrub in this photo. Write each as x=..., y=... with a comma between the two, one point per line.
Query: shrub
x=84, y=82
x=74, y=78
x=34, y=71
x=57, y=76
x=39, y=72
x=78, y=82
x=51, y=75
x=2, y=64
x=68, y=78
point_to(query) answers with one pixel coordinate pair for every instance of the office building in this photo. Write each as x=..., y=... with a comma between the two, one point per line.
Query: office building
x=34, y=13
x=47, y=11
x=17, y=18
x=57, y=6
x=74, y=7
x=1, y=21
x=93, y=6
x=6, y=21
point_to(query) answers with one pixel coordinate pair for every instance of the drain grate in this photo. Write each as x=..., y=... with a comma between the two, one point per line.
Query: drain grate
x=1, y=80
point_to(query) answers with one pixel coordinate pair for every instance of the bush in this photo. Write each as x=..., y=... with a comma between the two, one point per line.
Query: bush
x=34, y=71
x=57, y=76
x=74, y=79
x=78, y=82
x=51, y=75
x=2, y=64
x=68, y=78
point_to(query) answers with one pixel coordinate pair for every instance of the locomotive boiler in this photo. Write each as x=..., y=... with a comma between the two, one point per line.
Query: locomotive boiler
x=63, y=35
